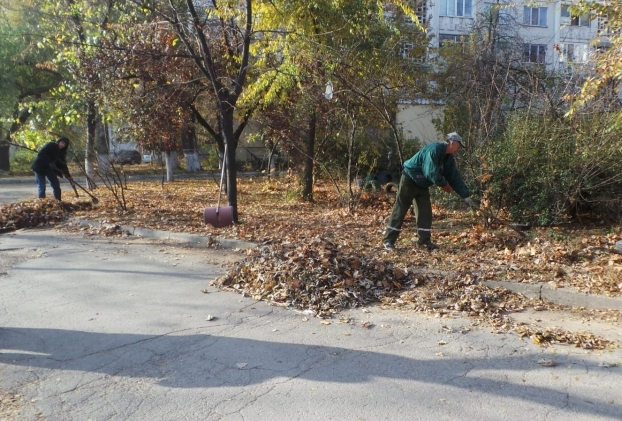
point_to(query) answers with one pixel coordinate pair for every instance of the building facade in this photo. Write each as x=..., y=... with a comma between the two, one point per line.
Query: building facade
x=548, y=32
x=551, y=33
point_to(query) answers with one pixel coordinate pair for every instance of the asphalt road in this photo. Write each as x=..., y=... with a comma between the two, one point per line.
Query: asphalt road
x=16, y=192
x=104, y=329
x=25, y=188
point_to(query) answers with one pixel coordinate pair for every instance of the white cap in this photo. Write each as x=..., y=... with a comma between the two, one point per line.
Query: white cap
x=455, y=137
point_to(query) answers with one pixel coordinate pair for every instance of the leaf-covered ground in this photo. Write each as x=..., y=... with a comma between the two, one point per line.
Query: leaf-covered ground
x=319, y=258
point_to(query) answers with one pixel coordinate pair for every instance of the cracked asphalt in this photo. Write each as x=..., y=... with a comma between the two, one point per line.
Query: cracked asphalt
x=127, y=329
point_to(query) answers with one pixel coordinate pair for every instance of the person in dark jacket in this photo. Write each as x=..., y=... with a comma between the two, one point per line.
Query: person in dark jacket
x=434, y=164
x=51, y=163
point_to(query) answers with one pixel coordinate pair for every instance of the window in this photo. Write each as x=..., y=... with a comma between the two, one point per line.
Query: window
x=408, y=52
x=496, y=11
x=534, y=16
x=603, y=23
x=405, y=49
x=534, y=53
x=462, y=8
x=605, y=28
x=422, y=11
x=573, y=53
x=574, y=20
x=448, y=39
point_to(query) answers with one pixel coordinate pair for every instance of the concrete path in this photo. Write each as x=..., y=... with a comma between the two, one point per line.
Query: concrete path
x=97, y=329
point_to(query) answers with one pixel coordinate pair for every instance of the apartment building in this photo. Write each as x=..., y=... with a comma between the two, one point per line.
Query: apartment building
x=549, y=32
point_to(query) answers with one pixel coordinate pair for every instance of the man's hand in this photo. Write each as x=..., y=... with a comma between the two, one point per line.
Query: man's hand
x=469, y=202
x=446, y=188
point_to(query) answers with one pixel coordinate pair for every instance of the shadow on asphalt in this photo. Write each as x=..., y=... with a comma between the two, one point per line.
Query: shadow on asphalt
x=210, y=361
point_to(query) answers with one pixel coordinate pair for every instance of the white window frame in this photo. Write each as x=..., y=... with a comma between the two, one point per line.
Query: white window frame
x=505, y=17
x=456, y=8
x=406, y=48
x=573, y=53
x=534, y=50
x=601, y=24
x=529, y=13
x=422, y=11
x=574, y=20
x=457, y=39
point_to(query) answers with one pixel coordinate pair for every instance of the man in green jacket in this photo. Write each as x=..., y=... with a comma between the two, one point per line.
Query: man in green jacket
x=433, y=164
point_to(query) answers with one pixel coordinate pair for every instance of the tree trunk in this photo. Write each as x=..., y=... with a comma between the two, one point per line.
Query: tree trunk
x=193, y=162
x=172, y=163
x=350, y=158
x=19, y=119
x=189, y=146
x=102, y=146
x=271, y=157
x=307, y=192
x=227, y=129
x=90, y=156
x=4, y=157
x=102, y=138
x=4, y=153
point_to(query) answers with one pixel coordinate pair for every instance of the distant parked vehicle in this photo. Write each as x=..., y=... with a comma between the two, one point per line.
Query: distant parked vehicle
x=128, y=157
x=152, y=157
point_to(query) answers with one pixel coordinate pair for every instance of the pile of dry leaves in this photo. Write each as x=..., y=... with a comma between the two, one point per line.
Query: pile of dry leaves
x=317, y=276
x=321, y=278
x=38, y=213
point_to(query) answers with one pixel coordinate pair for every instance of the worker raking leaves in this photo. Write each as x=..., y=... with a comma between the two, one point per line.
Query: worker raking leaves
x=434, y=164
x=51, y=163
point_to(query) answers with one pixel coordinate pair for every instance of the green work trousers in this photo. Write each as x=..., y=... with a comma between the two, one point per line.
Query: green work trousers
x=409, y=193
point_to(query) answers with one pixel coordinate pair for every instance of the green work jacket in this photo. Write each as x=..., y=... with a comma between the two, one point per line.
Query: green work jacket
x=432, y=165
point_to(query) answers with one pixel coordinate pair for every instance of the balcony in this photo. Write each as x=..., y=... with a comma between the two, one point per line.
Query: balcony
x=455, y=24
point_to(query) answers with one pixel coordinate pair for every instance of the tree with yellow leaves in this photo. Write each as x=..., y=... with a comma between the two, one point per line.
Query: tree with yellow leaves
x=607, y=60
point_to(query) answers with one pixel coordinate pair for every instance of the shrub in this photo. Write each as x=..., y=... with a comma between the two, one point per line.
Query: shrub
x=21, y=161
x=545, y=171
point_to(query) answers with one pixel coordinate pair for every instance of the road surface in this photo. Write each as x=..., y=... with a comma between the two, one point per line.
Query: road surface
x=127, y=329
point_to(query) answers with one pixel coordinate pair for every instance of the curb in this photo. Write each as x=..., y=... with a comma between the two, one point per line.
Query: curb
x=194, y=239
x=559, y=296
x=545, y=292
